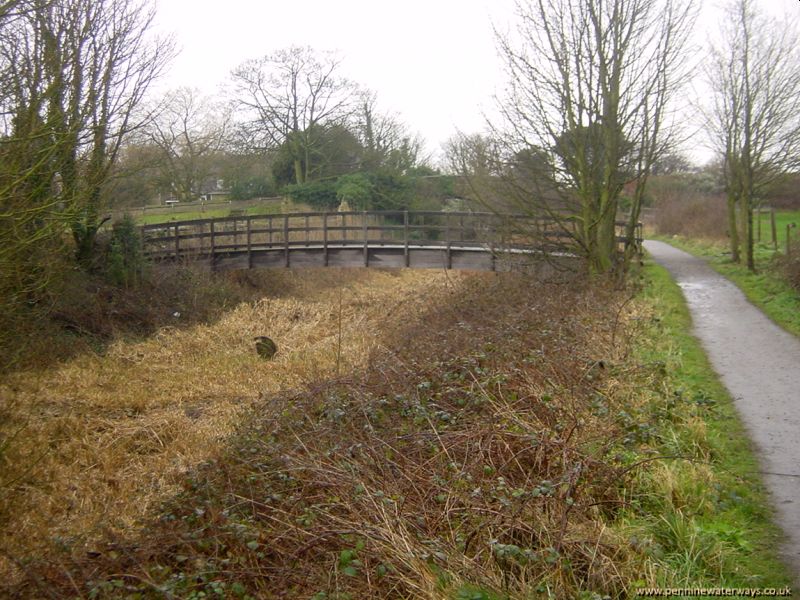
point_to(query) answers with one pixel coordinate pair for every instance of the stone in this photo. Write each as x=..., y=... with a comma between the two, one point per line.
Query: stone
x=265, y=347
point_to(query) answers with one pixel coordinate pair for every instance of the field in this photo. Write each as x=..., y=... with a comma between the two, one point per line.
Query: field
x=782, y=219
x=187, y=212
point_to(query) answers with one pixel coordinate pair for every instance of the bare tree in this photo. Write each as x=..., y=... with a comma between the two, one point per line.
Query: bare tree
x=285, y=99
x=189, y=130
x=591, y=82
x=385, y=138
x=76, y=70
x=753, y=118
x=71, y=74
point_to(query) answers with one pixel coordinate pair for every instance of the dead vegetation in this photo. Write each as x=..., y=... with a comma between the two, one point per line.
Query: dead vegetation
x=692, y=214
x=97, y=442
x=468, y=448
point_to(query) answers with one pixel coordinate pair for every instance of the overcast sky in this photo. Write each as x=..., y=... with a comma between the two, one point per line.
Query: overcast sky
x=432, y=61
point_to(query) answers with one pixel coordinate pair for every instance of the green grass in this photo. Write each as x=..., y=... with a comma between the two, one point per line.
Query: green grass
x=782, y=219
x=766, y=288
x=703, y=512
x=215, y=213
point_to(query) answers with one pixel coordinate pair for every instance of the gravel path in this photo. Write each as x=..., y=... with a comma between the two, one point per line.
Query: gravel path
x=759, y=363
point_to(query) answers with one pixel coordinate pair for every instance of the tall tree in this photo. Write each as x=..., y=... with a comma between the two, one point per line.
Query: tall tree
x=753, y=118
x=76, y=70
x=591, y=83
x=288, y=97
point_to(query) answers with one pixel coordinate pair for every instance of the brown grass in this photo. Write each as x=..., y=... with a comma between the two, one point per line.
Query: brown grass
x=98, y=442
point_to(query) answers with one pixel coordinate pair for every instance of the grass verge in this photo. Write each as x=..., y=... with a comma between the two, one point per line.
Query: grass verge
x=767, y=288
x=702, y=509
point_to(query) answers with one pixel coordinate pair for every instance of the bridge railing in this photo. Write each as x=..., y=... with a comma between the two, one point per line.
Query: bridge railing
x=210, y=237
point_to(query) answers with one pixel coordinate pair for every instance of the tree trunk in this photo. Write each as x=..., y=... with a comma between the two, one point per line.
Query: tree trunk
x=748, y=228
x=298, y=171
x=733, y=229
x=743, y=225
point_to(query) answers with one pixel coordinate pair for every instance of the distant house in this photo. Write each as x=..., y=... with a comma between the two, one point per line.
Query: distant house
x=214, y=190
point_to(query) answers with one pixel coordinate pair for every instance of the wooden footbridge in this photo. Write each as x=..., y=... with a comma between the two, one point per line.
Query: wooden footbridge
x=418, y=239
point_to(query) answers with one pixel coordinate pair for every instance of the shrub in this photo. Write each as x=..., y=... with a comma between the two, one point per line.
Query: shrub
x=356, y=189
x=320, y=195
x=125, y=261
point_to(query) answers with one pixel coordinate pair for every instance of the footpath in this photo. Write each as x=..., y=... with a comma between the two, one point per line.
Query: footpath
x=759, y=364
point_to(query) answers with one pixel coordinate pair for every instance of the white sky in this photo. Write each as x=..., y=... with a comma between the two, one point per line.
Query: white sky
x=432, y=61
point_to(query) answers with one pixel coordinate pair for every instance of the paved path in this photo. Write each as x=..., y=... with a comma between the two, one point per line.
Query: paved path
x=759, y=363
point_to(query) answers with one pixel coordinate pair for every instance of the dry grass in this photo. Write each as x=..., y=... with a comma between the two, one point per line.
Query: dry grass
x=100, y=441
x=468, y=447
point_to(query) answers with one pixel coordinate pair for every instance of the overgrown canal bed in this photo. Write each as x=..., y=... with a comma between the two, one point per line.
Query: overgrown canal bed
x=479, y=436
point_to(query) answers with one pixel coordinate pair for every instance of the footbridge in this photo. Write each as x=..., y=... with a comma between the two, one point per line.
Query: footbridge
x=411, y=239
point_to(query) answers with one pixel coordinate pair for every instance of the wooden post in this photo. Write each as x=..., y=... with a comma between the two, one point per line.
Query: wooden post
x=307, y=232
x=212, y=232
x=325, y=238
x=249, y=243
x=405, y=237
x=449, y=261
x=177, y=244
x=788, y=244
x=213, y=245
x=270, y=231
x=758, y=227
x=286, y=239
x=490, y=232
x=774, y=229
x=366, y=239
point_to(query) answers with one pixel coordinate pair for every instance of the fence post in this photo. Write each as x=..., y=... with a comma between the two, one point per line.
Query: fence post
x=249, y=243
x=366, y=239
x=286, y=239
x=325, y=238
x=788, y=245
x=177, y=244
x=270, y=232
x=405, y=238
x=758, y=228
x=491, y=232
x=307, y=232
x=774, y=229
x=213, y=245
